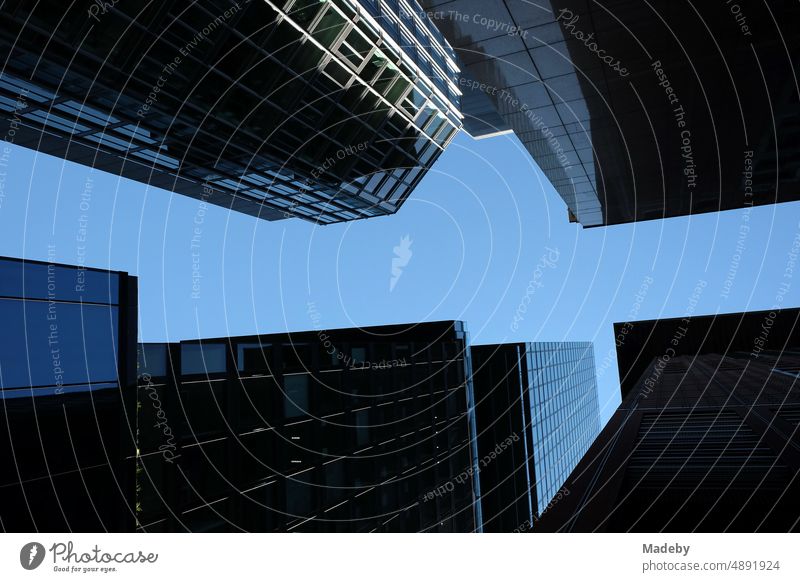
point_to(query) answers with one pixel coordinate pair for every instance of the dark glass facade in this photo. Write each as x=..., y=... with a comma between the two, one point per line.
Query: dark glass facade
x=349, y=430
x=637, y=111
x=706, y=437
x=67, y=390
x=537, y=414
x=324, y=110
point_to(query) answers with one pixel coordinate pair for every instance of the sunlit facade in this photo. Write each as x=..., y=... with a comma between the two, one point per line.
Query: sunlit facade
x=543, y=395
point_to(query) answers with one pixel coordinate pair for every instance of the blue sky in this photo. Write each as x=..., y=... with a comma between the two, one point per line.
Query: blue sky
x=480, y=223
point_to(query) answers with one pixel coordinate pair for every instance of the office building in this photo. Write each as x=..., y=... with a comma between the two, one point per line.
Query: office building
x=637, y=111
x=327, y=111
x=345, y=430
x=537, y=414
x=68, y=396
x=705, y=438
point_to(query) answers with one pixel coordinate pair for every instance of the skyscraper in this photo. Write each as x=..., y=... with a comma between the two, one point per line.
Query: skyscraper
x=68, y=397
x=346, y=430
x=537, y=414
x=328, y=111
x=637, y=111
x=706, y=436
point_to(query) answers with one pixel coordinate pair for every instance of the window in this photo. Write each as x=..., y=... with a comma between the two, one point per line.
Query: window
x=304, y=11
x=202, y=358
x=30, y=280
x=355, y=48
x=374, y=65
x=398, y=90
x=152, y=359
x=57, y=344
x=338, y=73
x=254, y=358
x=295, y=395
x=385, y=80
x=328, y=28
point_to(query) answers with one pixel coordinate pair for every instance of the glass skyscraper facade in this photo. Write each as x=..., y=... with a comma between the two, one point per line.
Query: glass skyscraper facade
x=323, y=110
x=565, y=413
x=537, y=414
x=398, y=428
x=67, y=391
x=604, y=96
x=348, y=430
x=705, y=439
